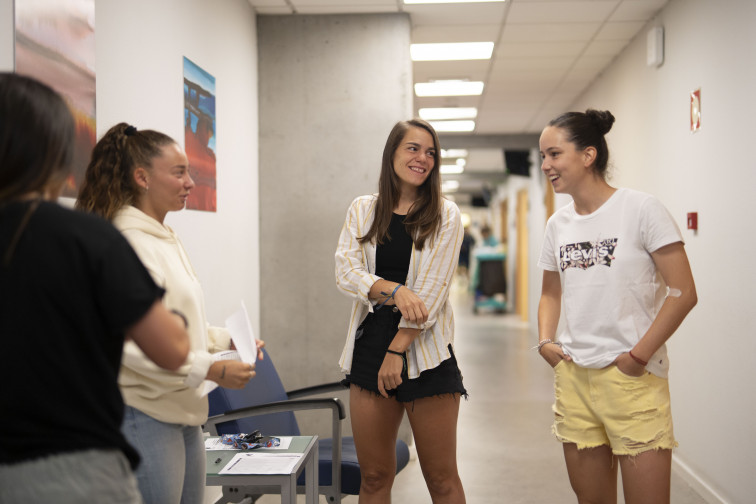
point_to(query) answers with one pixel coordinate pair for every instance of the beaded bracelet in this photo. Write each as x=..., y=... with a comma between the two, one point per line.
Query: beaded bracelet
x=545, y=342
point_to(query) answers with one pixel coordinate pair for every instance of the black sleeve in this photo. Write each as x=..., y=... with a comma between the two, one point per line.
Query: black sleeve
x=124, y=288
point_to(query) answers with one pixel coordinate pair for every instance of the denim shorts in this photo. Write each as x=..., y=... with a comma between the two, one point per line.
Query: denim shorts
x=595, y=407
x=373, y=339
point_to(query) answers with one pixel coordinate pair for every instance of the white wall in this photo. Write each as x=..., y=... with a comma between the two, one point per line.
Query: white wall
x=140, y=45
x=707, y=45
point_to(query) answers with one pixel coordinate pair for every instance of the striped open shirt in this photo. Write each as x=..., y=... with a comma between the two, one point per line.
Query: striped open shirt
x=429, y=276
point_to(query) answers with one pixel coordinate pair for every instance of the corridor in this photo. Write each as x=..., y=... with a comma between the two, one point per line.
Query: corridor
x=506, y=451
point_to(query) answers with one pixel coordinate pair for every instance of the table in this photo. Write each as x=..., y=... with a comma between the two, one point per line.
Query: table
x=236, y=486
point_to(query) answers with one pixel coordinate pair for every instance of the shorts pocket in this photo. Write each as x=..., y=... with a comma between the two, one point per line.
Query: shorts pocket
x=627, y=376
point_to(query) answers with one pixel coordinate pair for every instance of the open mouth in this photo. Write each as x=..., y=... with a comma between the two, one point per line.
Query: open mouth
x=417, y=169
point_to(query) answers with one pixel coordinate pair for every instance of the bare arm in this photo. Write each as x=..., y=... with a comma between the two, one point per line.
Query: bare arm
x=162, y=337
x=672, y=263
x=549, y=310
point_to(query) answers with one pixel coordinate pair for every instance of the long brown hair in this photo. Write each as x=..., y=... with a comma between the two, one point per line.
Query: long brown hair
x=36, y=145
x=109, y=181
x=424, y=217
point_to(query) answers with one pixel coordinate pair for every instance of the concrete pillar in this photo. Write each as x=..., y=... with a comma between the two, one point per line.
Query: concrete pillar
x=331, y=89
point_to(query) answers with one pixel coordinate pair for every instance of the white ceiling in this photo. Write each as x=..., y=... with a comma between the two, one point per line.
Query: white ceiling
x=546, y=53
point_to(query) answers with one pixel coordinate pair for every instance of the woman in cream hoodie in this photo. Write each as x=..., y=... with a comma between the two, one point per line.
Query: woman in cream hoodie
x=134, y=179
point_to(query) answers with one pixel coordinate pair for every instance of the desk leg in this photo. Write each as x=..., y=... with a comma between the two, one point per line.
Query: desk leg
x=311, y=476
x=289, y=491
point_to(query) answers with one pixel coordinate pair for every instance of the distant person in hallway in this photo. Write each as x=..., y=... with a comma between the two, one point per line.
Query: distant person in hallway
x=72, y=291
x=135, y=178
x=396, y=257
x=468, y=242
x=600, y=258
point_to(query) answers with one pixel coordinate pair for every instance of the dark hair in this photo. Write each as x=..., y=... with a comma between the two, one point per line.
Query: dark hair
x=424, y=217
x=109, y=181
x=36, y=137
x=587, y=130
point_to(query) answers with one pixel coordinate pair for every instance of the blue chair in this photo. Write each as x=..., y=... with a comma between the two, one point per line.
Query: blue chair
x=265, y=405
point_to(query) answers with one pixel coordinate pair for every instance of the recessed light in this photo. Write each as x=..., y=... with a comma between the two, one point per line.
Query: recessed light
x=449, y=88
x=443, y=113
x=449, y=126
x=451, y=51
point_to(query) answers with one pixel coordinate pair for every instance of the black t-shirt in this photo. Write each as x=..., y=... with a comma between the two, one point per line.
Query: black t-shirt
x=71, y=289
x=392, y=257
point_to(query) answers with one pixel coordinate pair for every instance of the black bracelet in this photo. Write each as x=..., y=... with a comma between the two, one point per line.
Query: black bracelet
x=183, y=317
x=400, y=354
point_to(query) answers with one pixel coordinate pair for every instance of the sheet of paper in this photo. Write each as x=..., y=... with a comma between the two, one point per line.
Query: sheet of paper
x=261, y=463
x=241, y=334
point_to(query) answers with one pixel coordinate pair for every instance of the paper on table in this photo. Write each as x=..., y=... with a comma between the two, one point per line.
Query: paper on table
x=241, y=333
x=262, y=463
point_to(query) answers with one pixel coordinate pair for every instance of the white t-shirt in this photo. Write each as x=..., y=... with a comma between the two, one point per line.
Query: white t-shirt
x=610, y=290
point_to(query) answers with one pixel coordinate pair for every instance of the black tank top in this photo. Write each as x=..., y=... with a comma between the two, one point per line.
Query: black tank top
x=392, y=258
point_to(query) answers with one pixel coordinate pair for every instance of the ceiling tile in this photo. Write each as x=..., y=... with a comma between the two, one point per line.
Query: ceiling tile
x=560, y=12
x=550, y=32
x=456, y=14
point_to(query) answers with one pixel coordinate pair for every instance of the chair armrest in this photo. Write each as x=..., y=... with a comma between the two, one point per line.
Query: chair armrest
x=333, y=404
x=317, y=389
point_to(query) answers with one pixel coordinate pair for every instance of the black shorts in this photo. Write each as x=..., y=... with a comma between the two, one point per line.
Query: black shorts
x=373, y=339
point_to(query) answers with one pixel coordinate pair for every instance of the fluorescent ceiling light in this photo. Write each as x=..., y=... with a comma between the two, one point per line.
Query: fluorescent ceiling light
x=453, y=153
x=461, y=162
x=449, y=88
x=452, y=51
x=451, y=169
x=409, y=2
x=435, y=114
x=448, y=126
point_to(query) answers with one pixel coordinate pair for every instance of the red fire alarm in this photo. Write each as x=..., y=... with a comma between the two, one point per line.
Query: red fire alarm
x=693, y=221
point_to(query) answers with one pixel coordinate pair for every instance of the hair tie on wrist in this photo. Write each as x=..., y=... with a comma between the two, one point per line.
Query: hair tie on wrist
x=130, y=130
x=638, y=359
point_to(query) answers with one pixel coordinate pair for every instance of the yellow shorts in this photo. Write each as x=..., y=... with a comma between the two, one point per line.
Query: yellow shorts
x=595, y=407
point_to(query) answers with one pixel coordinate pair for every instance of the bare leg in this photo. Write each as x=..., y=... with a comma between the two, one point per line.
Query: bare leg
x=434, y=426
x=375, y=424
x=646, y=477
x=593, y=474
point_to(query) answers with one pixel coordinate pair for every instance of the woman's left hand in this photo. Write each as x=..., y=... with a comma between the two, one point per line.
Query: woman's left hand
x=390, y=374
x=627, y=365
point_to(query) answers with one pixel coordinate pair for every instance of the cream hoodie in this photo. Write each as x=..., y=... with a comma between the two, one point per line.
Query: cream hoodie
x=172, y=397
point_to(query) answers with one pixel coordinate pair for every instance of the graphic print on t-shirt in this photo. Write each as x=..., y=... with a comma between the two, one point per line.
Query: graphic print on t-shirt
x=583, y=255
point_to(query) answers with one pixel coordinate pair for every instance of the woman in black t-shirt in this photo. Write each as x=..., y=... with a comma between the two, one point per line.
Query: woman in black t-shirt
x=72, y=290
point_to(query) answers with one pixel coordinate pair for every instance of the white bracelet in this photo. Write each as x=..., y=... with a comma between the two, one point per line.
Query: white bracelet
x=544, y=342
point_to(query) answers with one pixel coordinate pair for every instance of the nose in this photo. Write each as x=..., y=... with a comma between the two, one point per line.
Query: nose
x=189, y=182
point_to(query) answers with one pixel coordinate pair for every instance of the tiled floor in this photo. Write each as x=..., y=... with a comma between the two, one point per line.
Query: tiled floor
x=506, y=451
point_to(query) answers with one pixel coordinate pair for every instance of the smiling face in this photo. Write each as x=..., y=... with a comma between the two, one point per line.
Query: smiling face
x=565, y=166
x=414, y=158
x=167, y=183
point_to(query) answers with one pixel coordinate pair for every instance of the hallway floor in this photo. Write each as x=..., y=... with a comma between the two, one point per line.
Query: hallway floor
x=506, y=451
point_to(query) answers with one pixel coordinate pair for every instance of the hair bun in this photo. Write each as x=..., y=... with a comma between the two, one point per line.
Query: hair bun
x=603, y=119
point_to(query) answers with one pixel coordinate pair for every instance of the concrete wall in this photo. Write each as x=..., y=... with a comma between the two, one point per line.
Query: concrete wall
x=140, y=45
x=708, y=45
x=331, y=89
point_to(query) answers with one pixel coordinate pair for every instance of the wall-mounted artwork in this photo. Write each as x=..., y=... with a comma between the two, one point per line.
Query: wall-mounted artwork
x=199, y=127
x=55, y=44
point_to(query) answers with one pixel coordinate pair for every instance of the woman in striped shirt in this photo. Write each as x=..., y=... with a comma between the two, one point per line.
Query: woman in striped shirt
x=396, y=256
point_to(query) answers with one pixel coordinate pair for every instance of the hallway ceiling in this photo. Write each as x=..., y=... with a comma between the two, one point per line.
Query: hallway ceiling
x=546, y=54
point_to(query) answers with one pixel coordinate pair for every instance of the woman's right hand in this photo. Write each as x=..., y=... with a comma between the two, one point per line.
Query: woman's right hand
x=553, y=354
x=231, y=374
x=412, y=307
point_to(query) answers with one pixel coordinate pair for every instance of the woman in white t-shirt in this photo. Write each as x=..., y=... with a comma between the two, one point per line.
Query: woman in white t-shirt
x=601, y=256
